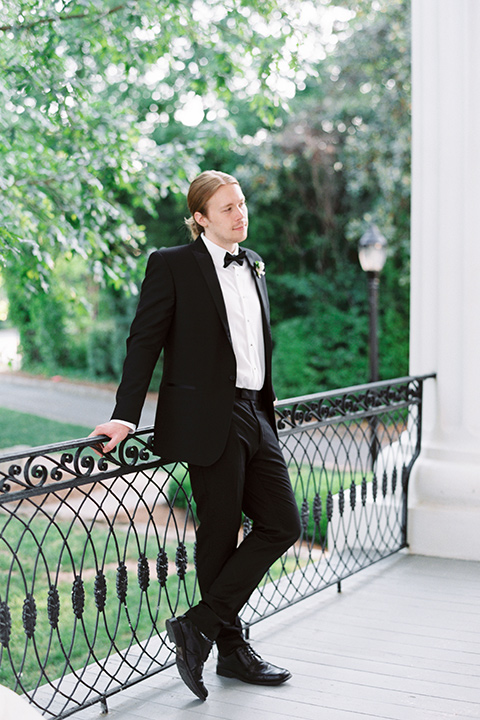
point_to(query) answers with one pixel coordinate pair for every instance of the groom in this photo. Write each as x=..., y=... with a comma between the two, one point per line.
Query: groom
x=206, y=305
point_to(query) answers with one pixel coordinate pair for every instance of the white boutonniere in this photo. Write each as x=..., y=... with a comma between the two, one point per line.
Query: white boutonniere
x=259, y=268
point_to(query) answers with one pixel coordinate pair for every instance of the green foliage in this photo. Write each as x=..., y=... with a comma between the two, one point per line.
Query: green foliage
x=84, y=88
x=40, y=319
x=96, y=155
x=105, y=339
x=329, y=342
x=105, y=350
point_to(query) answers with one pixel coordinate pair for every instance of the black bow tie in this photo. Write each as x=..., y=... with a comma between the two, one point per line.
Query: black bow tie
x=229, y=258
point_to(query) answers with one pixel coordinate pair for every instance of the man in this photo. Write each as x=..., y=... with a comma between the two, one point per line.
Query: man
x=205, y=304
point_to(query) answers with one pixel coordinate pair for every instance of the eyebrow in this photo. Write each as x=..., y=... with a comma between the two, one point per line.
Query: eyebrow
x=224, y=207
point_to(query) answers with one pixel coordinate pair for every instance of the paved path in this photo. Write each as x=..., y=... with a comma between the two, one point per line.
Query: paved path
x=62, y=400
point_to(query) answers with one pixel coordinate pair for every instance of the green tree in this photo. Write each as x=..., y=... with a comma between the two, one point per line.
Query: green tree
x=316, y=170
x=88, y=91
x=83, y=90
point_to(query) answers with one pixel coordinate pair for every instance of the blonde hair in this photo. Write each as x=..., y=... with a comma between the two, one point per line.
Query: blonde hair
x=200, y=192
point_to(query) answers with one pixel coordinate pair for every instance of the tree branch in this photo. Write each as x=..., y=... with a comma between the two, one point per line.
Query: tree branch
x=77, y=16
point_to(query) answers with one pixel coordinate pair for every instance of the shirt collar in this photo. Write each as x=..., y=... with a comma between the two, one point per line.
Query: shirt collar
x=217, y=253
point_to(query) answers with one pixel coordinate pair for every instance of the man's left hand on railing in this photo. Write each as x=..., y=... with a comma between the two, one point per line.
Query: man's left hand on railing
x=116, y=431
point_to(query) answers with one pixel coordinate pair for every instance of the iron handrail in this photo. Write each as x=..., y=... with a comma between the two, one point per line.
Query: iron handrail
x=96, y=551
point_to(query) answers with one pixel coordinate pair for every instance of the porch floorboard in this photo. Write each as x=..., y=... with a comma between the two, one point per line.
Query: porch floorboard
x=400, y=642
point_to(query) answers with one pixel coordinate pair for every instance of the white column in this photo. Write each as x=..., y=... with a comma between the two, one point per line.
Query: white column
x=444, y=517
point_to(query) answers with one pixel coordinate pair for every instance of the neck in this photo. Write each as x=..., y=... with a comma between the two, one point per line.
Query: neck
x=229, y=247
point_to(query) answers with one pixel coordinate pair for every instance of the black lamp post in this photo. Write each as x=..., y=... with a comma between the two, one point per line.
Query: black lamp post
x=372, y=253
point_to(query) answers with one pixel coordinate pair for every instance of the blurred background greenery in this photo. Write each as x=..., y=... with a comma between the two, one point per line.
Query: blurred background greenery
x=107, y=114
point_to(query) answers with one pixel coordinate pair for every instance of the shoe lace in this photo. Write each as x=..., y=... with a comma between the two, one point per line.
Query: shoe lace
x=250, y=653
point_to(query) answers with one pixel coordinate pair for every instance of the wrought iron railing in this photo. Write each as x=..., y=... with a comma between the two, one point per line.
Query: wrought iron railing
x=95, y=553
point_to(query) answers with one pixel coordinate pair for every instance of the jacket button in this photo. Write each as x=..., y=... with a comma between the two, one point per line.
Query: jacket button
x=232, y=378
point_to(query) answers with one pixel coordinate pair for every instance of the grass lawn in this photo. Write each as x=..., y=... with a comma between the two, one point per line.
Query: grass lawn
x=314, y=484
x=48, y=561
x=17, y=428
x=311, y=485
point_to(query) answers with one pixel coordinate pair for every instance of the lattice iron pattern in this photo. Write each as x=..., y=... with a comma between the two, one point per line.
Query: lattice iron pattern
x=96, y=553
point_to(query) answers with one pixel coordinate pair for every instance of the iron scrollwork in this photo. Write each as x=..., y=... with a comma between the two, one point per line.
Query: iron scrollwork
x=358, y=401
x=48, y=465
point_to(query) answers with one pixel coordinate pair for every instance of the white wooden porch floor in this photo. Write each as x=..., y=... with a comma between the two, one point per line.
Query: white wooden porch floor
x=401, y=642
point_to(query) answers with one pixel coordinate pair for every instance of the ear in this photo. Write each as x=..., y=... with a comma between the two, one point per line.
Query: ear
x=200, y=219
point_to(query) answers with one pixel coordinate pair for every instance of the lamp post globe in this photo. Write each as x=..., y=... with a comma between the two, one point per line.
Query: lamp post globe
x=372, y=250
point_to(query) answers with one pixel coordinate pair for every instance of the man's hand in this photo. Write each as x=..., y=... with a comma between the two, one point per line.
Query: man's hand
x=114, y=430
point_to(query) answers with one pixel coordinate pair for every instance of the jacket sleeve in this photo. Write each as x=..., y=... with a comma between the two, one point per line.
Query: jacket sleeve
x=148, y=333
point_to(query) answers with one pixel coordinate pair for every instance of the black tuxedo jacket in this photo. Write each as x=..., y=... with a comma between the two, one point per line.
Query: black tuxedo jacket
x=182, y=311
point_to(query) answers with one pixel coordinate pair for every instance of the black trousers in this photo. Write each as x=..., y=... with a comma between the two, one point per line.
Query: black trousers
x=250, y=476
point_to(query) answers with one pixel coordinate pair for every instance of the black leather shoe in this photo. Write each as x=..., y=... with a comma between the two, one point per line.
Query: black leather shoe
x=244, y=664
x=193, y=648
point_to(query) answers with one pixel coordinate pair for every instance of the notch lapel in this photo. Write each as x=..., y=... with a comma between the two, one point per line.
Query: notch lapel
x=261, y=285
x=207, y=268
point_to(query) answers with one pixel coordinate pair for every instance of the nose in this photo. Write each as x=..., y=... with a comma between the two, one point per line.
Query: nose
x=241, y=212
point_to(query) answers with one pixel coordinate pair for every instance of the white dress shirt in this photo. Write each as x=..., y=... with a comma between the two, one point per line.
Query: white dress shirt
x=244, y=315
